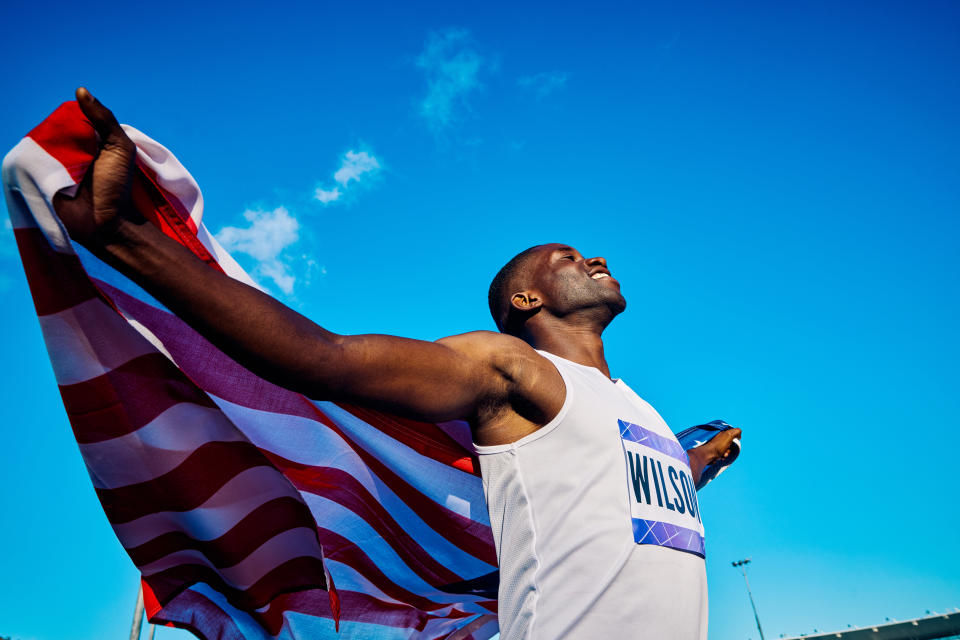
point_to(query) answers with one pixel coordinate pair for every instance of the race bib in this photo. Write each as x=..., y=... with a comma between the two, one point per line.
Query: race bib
x=663, y=499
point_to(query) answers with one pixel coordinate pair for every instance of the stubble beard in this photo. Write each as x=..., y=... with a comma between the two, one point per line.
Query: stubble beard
x=605, y=302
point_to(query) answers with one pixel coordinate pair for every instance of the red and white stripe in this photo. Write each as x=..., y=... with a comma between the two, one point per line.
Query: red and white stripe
x=241, y=503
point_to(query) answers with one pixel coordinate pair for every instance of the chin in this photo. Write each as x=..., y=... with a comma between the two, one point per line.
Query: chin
x=617, y=303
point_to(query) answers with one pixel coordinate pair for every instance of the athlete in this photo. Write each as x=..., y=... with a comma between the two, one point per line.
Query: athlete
x=592, y=501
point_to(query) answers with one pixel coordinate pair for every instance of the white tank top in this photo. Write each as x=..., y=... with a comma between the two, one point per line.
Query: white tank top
x=596, y=521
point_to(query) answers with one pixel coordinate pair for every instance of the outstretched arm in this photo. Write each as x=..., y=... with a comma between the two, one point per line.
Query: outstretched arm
x=454, y=378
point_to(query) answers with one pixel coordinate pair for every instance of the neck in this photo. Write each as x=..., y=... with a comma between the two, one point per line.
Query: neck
x=579, y=344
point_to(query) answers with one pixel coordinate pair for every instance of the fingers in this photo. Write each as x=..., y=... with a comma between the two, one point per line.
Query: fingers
x=102, y=119
x=108, y=179
x=118, y=150
x=724, y=441
x=730, y=435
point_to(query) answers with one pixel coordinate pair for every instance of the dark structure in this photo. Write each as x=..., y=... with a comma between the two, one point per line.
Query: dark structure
x=943, y=626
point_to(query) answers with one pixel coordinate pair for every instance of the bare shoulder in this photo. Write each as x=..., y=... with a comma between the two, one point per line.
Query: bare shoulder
x=531, y=389
x=484, y=343
x=510, y=356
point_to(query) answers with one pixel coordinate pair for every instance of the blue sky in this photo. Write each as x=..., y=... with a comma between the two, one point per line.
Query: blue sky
x=775, y=187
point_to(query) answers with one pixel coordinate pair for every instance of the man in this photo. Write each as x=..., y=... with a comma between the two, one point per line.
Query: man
x=591, y=499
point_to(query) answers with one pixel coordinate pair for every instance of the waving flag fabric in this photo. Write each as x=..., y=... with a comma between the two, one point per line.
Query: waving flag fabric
x=251, y=511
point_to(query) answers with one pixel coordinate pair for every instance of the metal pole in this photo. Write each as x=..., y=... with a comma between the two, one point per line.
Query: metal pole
x=743, y=567
x=151, y=628
x=137, y=616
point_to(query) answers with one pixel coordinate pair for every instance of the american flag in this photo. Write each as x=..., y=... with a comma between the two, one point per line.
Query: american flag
x=250, y=511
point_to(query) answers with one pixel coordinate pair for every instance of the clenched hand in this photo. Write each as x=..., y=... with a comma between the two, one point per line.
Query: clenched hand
x=718, y=447
x=102, y=202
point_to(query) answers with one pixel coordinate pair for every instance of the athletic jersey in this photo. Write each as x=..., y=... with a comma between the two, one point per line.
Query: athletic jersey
x=596, y=521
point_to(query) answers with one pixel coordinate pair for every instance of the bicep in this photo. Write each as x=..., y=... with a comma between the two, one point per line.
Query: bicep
x=414, y=378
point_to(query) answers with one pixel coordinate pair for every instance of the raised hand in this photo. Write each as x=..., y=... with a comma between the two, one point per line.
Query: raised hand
x=718, y=447
x=103, y=199
x=470, y=377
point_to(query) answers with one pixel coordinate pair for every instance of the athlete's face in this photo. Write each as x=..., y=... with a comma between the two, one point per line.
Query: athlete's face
x=568, y=282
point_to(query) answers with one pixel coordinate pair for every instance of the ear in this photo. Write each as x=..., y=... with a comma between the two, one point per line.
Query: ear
x=525, y=301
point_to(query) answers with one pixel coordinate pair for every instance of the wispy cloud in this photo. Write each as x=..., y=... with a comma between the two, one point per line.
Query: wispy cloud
x=270, y=233
x=354, y=166
x=543, y=84
x=327, y=196
x=452, y=68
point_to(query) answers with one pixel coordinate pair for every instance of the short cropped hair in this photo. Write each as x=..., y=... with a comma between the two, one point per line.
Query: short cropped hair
x=502, y=286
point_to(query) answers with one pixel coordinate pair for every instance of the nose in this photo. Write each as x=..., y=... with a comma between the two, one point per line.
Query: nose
x=599, y=260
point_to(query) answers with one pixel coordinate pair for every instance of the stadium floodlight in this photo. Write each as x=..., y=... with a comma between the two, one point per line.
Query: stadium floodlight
x=742, y=564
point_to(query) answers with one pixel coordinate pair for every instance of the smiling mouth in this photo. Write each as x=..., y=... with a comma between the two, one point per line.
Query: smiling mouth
x=599, y=276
